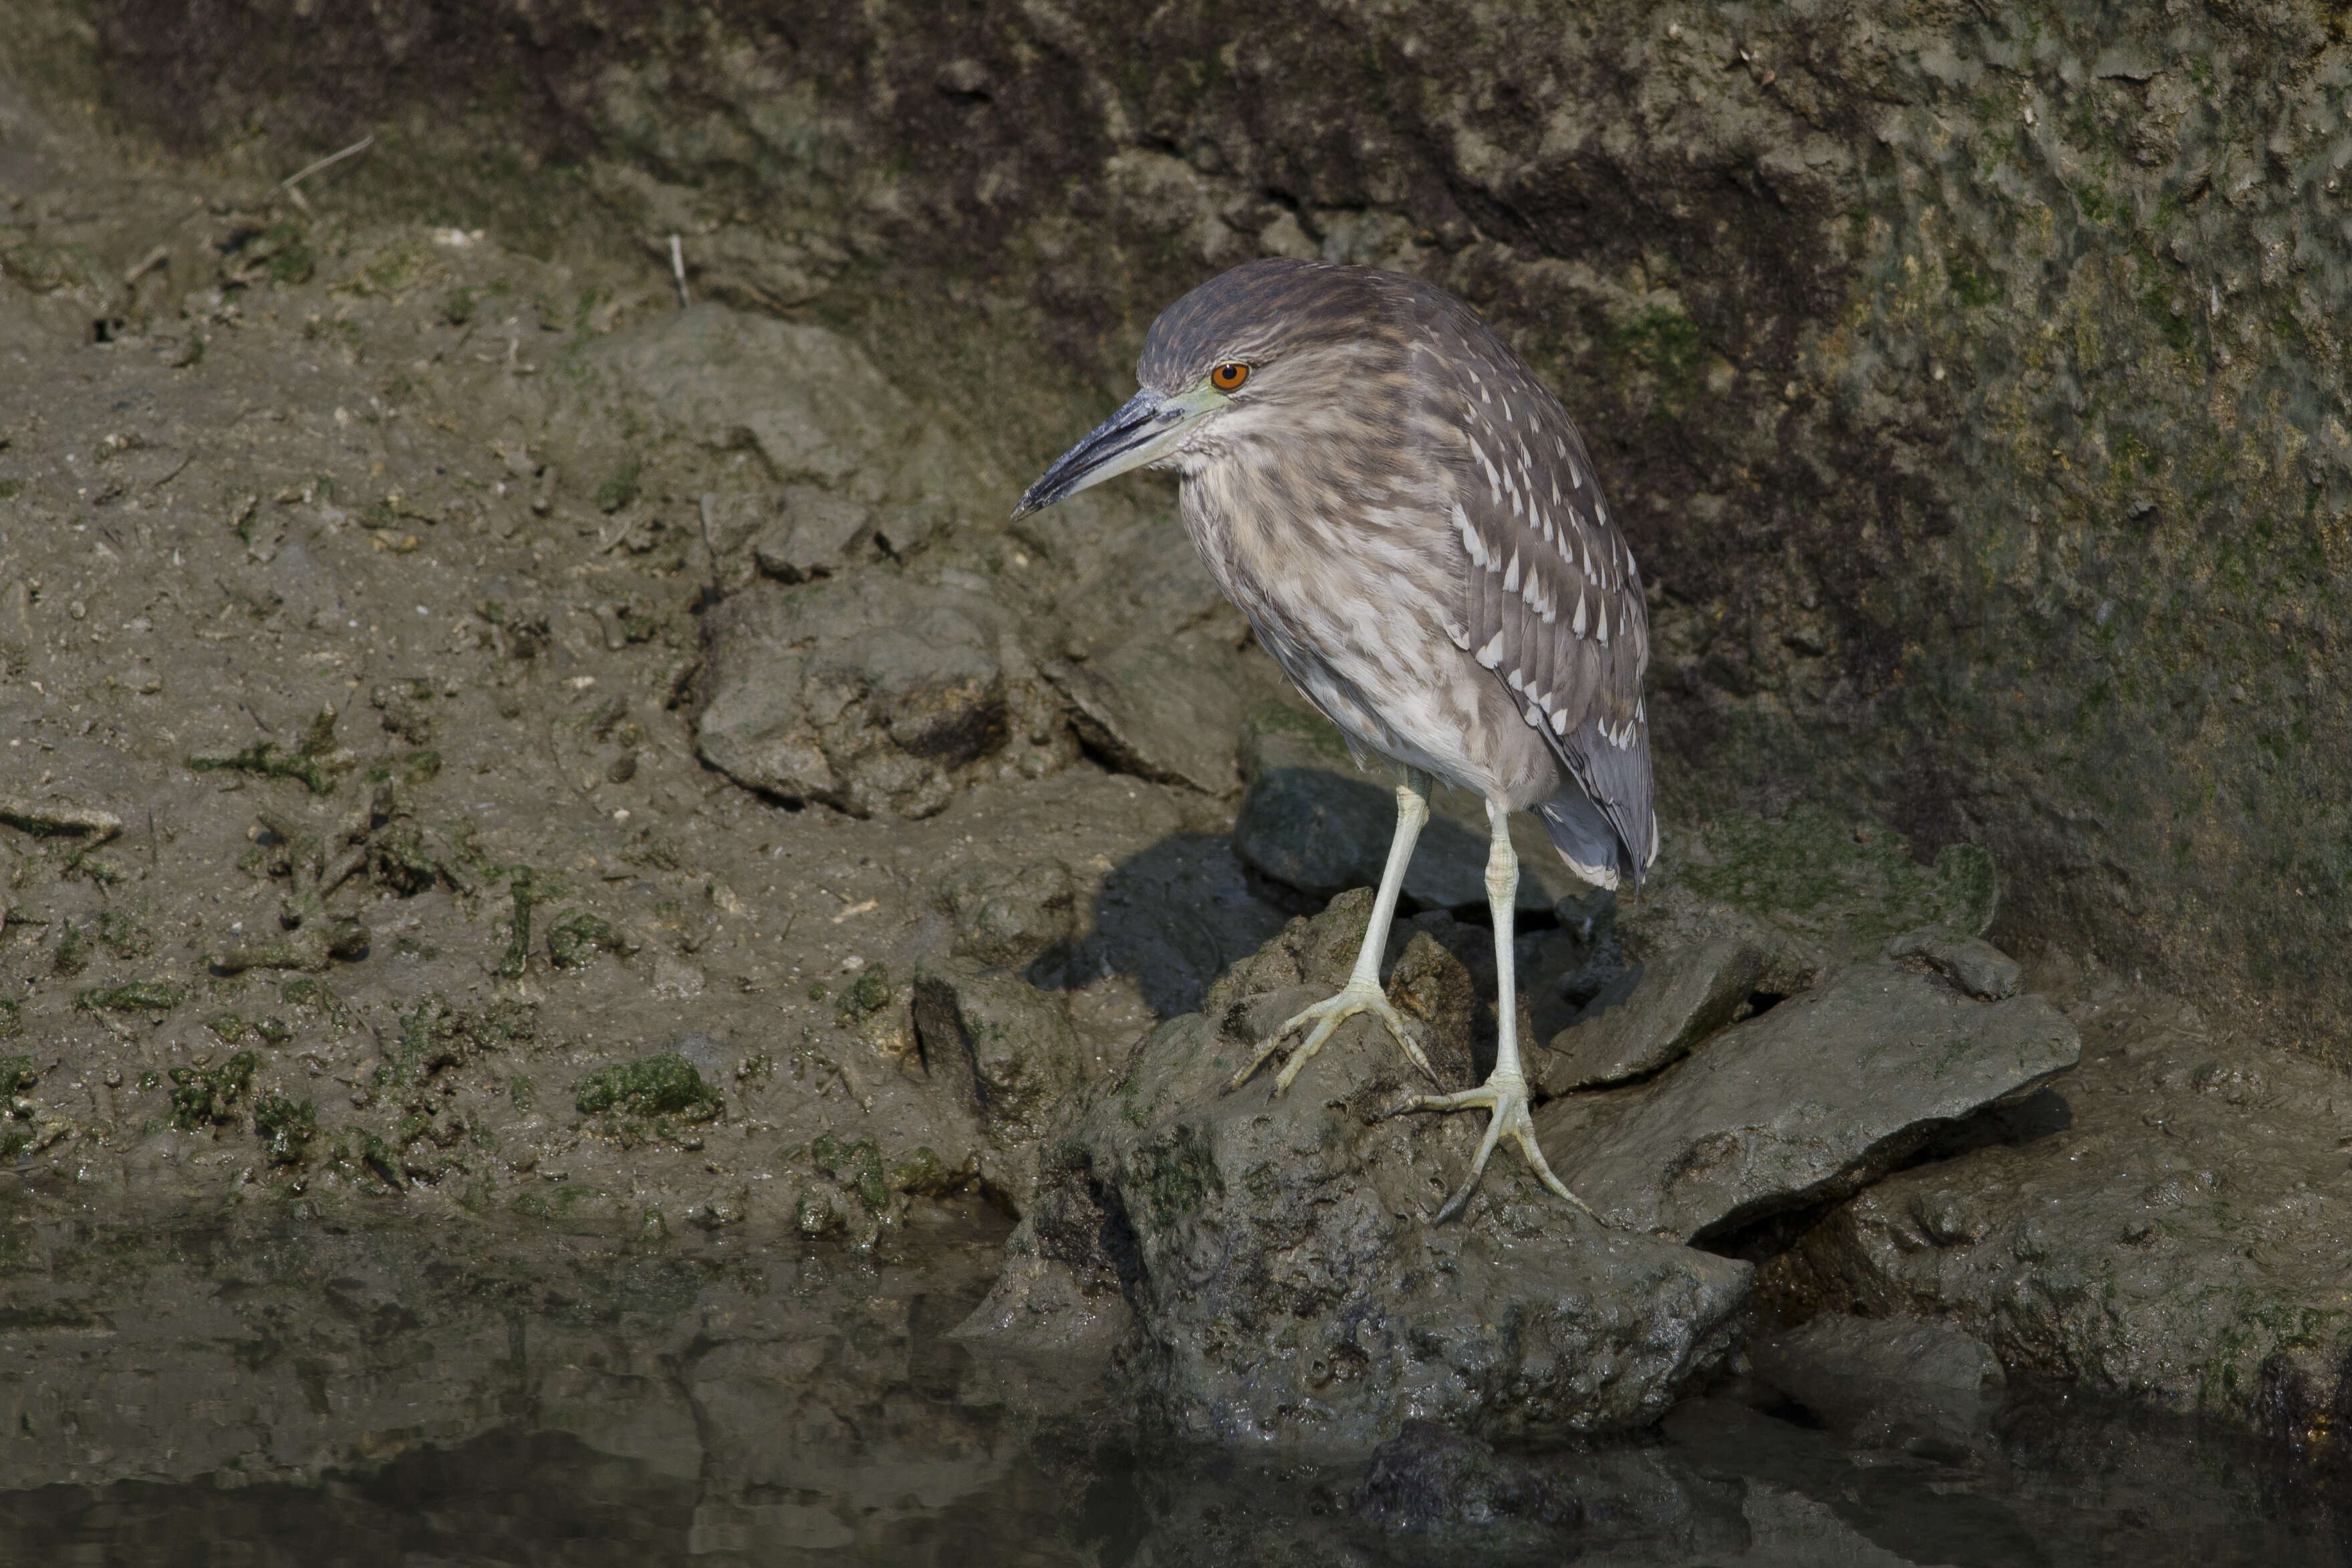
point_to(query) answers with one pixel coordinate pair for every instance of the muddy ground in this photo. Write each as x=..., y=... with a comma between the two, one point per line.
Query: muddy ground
x=384, y=643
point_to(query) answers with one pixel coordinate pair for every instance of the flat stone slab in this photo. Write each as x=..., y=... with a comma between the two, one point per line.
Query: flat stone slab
x=1973, y=965
x=1805, y=1103
x=1275, y=1265
x=1672, y=1004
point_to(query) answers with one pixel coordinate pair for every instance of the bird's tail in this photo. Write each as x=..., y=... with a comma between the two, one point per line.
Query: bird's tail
x=1587, y=841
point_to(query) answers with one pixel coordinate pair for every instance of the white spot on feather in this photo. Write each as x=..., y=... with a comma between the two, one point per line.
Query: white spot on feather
x=1579, y=627
x=1511, y=574
x=1470, y=540
x=1559, y=722
x=1492, y=654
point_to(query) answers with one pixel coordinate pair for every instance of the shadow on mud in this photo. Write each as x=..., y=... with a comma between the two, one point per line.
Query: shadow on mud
x=1174, y=918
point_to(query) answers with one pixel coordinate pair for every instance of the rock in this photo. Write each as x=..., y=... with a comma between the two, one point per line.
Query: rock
x=708, y=1054
x=1157, y=667
x=1008, y=1046
x=1428, y=1478
x=1444, y=976
x=903, y=529
x=867, y=693
x=1008, y=915
x=1045, y=1313
x=1652, y=1019
x=2174, y=1232
x=1886, y=1383
x=815, y=536
x=1804, y=1104
x=1976, y=966
x=1436, y=983
x=1288, y=1289
x=1163, y=709
x=809, y=401
x=1314, y=821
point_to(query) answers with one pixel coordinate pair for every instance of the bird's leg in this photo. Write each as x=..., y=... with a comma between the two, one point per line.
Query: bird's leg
x=1504, y=1095
x=1362, y=994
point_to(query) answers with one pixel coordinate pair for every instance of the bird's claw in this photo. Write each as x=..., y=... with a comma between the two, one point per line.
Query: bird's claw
x=1506, y=1102
x=1327, y=1015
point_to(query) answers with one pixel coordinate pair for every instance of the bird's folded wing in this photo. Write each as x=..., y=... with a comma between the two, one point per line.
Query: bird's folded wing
x=1552, y=598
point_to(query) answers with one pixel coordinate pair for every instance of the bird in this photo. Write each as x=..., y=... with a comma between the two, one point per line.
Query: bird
x=1413, y=526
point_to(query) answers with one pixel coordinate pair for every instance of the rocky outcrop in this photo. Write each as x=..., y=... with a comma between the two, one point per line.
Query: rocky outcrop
x=1264, y=1268
x=1653, y=1015
x=1267, y=1269
x=1809, y=1102
x=2169, y=1229
x=1921, y=1384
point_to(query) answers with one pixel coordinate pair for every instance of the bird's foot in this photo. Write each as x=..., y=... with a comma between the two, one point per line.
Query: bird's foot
x=1356, y=997
x=1505, y=1099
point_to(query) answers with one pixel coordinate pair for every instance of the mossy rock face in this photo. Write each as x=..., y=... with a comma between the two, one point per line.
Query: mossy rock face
x=1823, y=877
x=439, y=1034
x=18, y=1077
x=573, y=941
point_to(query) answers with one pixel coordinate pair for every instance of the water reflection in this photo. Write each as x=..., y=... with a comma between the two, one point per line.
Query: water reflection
x=298, y=1389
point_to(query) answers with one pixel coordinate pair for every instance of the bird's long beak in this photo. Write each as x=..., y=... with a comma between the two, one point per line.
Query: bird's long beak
x=1144, y=429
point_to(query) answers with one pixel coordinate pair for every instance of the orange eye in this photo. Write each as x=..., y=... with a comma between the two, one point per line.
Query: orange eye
x=1228, y=377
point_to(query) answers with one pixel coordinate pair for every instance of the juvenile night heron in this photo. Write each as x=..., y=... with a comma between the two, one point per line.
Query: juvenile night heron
x=1413, y=525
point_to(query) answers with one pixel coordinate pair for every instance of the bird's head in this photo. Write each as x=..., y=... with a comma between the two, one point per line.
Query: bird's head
x=1248, y=347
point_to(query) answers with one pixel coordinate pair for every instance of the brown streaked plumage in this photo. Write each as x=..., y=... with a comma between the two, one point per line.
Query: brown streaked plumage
x=1413, y=523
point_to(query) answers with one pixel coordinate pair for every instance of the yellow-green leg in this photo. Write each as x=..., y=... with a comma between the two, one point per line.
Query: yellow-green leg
x=1504, y=1095
x=1362, y=994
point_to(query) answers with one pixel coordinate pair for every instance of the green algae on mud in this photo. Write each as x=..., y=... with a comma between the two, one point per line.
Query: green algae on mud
x=206, y=1097
x=654, y=1098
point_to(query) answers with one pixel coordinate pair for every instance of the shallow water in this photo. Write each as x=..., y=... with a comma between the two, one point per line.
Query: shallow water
x=294, y=1388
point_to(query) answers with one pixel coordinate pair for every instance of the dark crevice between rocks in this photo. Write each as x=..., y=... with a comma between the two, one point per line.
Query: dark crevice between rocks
x=1759, y=1240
